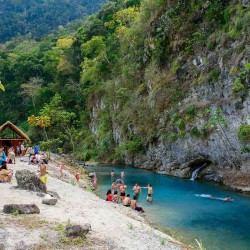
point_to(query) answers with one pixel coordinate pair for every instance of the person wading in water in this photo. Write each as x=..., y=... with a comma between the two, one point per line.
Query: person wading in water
x=137, y=190
x=150, y=192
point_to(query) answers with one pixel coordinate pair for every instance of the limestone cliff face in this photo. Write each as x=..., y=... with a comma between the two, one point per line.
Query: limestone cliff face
x=213, y=104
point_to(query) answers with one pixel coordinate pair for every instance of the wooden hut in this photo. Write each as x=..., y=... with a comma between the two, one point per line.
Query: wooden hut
x=11, y=136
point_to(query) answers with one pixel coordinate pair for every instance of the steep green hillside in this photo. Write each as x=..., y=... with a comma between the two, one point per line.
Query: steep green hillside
x=162, y=84
x=39, y=17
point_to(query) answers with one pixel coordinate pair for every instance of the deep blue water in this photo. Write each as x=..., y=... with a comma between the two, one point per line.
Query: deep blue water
x=178, y=206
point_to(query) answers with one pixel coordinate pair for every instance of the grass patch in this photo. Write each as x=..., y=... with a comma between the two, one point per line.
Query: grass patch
x=60, y=228
x=162, y=241
x=43, y=236
x=15, y=212
x=130, y=225
x=74, y=241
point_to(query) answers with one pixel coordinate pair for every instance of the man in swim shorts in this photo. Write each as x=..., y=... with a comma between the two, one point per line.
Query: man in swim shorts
x=137, y=190
x=122, y=191
x=150, y=192
x=134, y=206
x=126, y=201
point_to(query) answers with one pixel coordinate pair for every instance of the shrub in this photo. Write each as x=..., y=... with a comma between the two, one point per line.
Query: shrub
x=214, y=74
x=244, y=132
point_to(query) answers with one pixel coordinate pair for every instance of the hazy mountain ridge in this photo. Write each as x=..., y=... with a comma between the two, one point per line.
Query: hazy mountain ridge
x=40, y=17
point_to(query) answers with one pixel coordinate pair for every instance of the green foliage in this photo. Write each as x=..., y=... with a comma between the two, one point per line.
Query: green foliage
x=15, y=212
x=216, y=119
x=37, y=18
x=50, y=144
x=214, y=74
x=196, y=132
x=131, y=146
x=244, y=132
x=118, y=83
x=245, y=150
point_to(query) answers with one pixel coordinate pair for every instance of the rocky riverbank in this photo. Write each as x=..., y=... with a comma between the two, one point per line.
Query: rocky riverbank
x=112, y=226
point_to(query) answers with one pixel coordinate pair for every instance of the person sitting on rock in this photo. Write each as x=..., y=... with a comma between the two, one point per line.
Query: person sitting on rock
x=134, y=206
x=126, y=201
x=5, y=173
x=115, y=197
x=33, y=159
x=109, y=196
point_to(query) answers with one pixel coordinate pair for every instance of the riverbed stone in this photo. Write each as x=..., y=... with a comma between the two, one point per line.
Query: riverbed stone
x=54, y=194
x=29, y=181
x=49, y=201
x=21, y=208
x=77, y=230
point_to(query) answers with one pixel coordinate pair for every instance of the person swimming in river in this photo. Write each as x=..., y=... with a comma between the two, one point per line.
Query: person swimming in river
x=150, y=192
x=112, y=173
x=228, y=198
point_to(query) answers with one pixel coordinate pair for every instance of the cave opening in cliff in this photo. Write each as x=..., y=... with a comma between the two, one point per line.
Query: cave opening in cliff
x=197, y=166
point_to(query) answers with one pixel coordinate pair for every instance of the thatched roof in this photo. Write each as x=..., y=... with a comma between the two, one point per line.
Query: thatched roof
x=15, y=129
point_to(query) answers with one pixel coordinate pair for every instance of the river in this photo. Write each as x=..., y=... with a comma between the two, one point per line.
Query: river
x=185, y=207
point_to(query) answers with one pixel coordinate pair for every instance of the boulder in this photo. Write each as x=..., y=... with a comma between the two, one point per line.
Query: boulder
x=21, y=208
x=77, y=230
x=49, y=201
x=29, y=181
x=54, y=194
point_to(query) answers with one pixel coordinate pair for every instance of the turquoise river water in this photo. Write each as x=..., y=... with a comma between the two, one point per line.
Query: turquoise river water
x=184, y=206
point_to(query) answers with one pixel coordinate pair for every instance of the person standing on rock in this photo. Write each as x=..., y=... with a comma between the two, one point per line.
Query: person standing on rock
x=43, y=171
x=22, y=149
x=11, y=155
x=2, y=155
x=61, y=167
x=77, y=176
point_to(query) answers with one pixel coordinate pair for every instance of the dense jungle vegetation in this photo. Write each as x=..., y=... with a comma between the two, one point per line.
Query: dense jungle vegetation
x=116, y=84
x=35, y=18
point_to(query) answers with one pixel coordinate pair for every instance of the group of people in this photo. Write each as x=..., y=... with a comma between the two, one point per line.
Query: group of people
x=39, y=159
x=5, y=173
x=117, y=193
